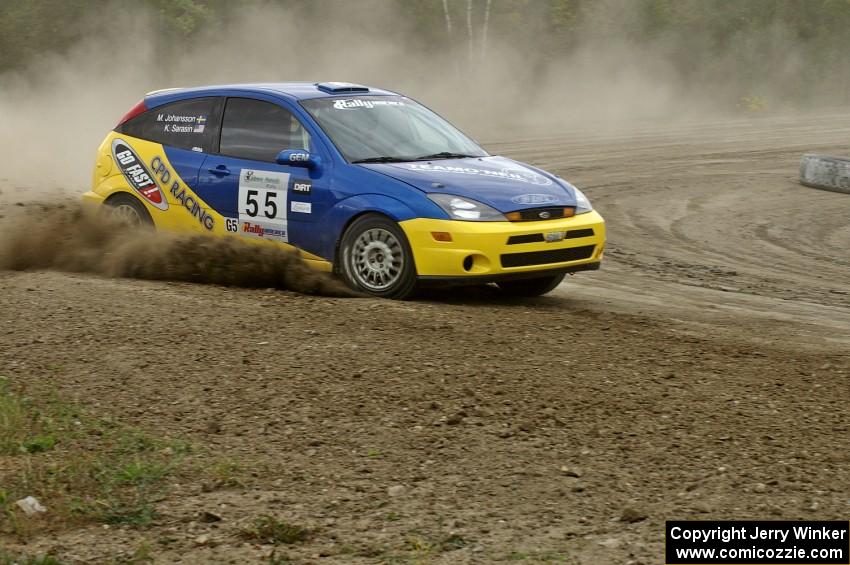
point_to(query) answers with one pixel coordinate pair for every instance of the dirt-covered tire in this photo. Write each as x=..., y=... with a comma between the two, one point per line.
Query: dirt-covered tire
x=531, y=287
x=127, y=209
x=375, y=258
x=826, y=173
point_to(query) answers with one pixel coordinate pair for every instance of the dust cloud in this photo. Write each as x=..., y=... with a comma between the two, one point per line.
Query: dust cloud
x=67, y=237
x=56, y=111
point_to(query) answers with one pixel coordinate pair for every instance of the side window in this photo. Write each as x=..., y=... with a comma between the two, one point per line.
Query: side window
x=258, y=130
x=187, y=124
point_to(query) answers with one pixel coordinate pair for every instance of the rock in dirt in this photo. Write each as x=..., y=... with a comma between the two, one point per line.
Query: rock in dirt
x=454, y=419
x=209, y=517
x=396, y=490
x=610, y=543
x=631, y=515
x=570, y=471
x=30, y=506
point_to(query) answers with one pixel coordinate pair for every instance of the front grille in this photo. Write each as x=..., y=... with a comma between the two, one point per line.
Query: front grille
x=537, y=214
x=549, y=256
x=529, y=238
x=572, y=234
x=538, y=237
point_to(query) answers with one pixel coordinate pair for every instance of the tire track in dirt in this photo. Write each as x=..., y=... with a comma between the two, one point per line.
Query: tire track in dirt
x=717, y=207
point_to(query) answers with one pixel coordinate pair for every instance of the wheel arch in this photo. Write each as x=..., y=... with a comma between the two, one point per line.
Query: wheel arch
x=347, y=211
x=120, y=194
x=123, y=194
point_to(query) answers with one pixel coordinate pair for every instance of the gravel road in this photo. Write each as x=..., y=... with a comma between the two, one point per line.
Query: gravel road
x=702, y=374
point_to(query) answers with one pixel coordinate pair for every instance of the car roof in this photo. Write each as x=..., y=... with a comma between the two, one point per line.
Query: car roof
x=292, y=90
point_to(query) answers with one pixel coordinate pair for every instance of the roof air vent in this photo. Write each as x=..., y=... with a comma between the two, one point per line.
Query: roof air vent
x=340, y=87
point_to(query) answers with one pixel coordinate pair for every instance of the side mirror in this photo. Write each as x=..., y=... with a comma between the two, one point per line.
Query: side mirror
x=297, y=158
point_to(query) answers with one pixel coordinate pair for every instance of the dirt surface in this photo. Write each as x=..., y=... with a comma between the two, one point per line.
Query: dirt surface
x=702, y=374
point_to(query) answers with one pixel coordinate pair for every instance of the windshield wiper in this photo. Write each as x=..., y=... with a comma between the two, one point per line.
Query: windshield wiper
x=384, y=159
x=444, y=155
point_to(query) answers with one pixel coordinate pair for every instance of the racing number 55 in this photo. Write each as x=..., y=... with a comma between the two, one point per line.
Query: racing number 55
x=270, y=206
x=263, y=197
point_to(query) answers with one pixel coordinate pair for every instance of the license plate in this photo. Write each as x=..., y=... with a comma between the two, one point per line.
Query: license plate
x=555, y=236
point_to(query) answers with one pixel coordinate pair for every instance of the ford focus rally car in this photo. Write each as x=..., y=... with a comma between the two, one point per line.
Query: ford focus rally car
x=363, y=182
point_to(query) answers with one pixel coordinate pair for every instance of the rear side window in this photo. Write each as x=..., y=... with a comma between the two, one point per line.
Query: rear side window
x=187, y=124
x=258, y=130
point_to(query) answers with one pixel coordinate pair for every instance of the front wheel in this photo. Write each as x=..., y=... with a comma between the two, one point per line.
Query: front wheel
x=375, y=258
x=531, y=287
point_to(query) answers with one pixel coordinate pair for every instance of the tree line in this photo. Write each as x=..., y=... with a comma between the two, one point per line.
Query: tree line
x=750, y=43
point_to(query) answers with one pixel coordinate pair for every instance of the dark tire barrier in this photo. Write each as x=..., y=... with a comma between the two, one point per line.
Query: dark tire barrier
x=826, y=173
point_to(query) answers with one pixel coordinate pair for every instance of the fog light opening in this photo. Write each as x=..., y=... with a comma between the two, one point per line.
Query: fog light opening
x=467, y=263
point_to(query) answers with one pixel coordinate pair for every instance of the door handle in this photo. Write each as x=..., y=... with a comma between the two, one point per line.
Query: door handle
x=220, y=171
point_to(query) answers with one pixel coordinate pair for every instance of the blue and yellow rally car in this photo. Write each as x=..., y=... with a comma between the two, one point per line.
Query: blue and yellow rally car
x=363, y=182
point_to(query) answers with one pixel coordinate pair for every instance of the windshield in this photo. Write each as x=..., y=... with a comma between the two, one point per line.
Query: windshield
x=388, y=128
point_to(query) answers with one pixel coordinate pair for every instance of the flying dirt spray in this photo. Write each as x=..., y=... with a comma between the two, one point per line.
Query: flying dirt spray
x=68, y=238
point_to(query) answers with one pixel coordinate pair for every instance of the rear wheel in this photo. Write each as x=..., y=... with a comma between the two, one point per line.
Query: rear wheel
x=129, y=211
x=375, y=258
x=531, y=287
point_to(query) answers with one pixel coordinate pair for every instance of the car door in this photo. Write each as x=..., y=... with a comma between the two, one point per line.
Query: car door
x=259, y=197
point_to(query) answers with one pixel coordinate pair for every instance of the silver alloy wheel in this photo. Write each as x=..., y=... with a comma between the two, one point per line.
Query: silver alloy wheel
x=126, y=214
x=376, y=259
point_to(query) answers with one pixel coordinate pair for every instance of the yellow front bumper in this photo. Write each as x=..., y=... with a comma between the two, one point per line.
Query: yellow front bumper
x=482, y=249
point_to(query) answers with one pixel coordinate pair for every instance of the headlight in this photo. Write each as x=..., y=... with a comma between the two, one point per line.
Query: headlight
x=459, y=208
x=582, y=202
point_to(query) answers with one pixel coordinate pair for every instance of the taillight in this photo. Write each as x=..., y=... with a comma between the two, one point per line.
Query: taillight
x=133, y=112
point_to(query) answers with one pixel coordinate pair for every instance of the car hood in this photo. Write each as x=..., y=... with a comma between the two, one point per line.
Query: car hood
x=504, y=184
